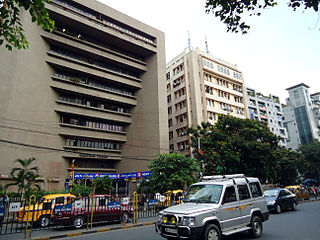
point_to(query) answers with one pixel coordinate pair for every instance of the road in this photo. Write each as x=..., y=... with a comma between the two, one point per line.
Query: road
x=302, y=224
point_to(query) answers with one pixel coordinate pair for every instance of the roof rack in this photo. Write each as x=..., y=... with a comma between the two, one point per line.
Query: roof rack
x=229, y=176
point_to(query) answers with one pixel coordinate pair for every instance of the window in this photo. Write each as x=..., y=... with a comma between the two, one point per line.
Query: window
x=243, y=192
x=229, y=195
x=255, y=189
x=60, y=200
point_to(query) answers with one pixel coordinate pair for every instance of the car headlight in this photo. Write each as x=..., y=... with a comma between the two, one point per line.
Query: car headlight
x=271, y=202
x=188, y=221
x=160, y=217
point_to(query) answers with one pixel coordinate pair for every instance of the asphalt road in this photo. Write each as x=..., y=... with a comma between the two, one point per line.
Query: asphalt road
x=302, y=224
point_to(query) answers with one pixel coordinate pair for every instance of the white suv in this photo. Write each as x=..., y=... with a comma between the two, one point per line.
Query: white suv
x=216, y=206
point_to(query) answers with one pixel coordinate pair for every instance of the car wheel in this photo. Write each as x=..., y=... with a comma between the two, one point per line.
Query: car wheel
x=278, y=209
x=256, y=227
x=78, y=222
x=294, y=206
x=44, y=221
x=212, y=232
x=125, y=216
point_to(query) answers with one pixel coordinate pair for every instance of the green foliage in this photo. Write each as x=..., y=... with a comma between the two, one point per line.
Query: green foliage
x=25, y=176
x=82, y=190
x=172, y=171
x=287, y=165
x=232, y=12
x=236, y=145
x=310, y=167
x=102, y=185
x=11, y=30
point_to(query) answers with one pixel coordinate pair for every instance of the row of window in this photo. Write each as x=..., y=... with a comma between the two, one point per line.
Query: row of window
x=104, y=20
x=183, y=145
x=223, y=69
x=178, y=69
x=92, y=144
x=221, y=82
x=181, y=118
x=181, y=131
x=94, y=83
x=178, y=81
x=212, y=115
x=180, y=105
x=92, y=103
x=94, y=41
x=91, y=124
x=223, y=94
x=93, y=62
x=179, y=93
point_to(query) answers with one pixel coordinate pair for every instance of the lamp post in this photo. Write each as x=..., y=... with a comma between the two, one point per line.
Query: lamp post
x=72, y=176
x=200, y=151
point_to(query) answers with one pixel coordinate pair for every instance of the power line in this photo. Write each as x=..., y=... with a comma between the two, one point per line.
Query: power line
x=143, y=158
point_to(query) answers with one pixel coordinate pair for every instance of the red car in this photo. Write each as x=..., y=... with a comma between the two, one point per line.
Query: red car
x=102, y=209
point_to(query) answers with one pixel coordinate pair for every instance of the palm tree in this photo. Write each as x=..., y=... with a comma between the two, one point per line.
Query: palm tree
x=25, y=177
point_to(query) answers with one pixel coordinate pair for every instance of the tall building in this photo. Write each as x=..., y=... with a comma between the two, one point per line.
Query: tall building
x=301, y=116
x=200, y=87
x=269, y=110
x=92, y=90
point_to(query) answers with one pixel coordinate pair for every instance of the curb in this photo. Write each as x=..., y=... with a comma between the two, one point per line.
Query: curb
x=92, y=231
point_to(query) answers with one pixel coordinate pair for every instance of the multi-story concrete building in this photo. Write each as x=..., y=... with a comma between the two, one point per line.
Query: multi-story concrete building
x=269, y=110
x=200, y=87
x=93, y=91
x=301, y=116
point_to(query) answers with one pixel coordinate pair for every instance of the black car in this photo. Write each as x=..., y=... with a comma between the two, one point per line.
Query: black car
x=280, y=199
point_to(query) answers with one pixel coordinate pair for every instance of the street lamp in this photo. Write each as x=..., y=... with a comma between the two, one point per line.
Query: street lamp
x=72, y=176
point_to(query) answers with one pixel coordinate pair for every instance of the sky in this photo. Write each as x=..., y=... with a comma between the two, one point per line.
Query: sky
x=282, y=48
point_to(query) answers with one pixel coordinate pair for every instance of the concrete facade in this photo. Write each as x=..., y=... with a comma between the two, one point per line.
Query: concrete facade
x=93, y=90
x=200, y=87
x=267, y=109
x=301, y=116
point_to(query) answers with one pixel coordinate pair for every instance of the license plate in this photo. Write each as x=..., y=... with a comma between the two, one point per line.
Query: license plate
x=171, y=230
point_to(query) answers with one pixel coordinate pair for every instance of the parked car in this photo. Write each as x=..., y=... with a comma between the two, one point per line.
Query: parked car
x=280, y=199
x=41, y=212
x=216, y=206
x=102, y=209
x=301, y=193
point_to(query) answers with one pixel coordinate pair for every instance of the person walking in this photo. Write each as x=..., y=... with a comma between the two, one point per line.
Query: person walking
x=4, y=200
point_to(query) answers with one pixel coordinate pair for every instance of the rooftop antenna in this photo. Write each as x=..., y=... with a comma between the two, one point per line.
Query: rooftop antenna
x=206, y=43
x=189, y=42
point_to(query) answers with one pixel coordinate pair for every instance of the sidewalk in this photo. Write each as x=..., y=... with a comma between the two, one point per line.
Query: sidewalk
x=68, y=232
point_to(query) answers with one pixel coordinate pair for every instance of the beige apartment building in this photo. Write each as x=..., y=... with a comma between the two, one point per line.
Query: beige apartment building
x=93, y=91
x=200, y=87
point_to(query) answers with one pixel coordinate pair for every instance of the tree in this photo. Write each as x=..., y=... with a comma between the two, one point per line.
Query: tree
x=231, y=12
x=287, y=165
x=102, y=185
x=25, y=177
x=11, y=30
x=172, y=171
x=236, y=145
x=311, y=156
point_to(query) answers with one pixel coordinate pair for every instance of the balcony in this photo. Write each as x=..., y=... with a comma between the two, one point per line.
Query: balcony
x=105, y=27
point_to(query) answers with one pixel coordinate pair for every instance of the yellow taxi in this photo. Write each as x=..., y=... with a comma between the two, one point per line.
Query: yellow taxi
x=299, y=192
x=173, y=196
x=42, y=211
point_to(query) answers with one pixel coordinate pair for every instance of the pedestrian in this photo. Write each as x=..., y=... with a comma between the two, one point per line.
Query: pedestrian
x=172, y=198
x=4, y=200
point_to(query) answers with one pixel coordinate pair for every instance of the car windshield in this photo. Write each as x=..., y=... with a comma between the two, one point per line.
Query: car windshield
x=271, y=193
x=206, y=193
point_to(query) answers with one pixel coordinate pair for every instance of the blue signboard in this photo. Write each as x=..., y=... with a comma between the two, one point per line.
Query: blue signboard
x=63, y=208
x=153, y=201
x=114, y=204
x=112, y=175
